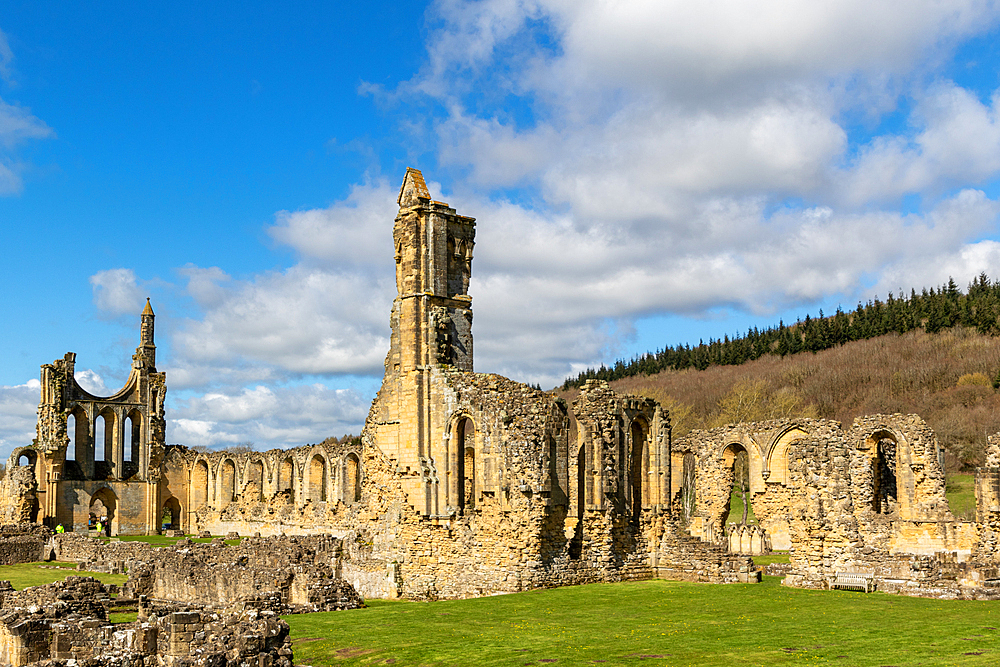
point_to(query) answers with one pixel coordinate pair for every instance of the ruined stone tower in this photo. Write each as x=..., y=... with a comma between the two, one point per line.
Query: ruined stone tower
x=431, y=325
x=74, y=469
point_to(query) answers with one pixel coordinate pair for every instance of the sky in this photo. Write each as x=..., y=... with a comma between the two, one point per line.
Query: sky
x=642, y=174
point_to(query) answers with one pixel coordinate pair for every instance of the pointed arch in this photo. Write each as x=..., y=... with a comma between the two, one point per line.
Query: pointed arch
x=352, y=478
x=462, y=462
x=286, y=477
x=318, y=478
x=227, y=483
x=777, y=459
x=253, y=486
x=199, y=484
x=638, y=481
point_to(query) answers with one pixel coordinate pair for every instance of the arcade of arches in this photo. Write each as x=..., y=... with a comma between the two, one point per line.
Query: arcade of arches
x=466, y=483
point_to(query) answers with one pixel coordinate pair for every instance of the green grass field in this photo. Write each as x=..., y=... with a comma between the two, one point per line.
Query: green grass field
x=656, y=623
x=23, y=575
x=736, y=509
x=960, y=489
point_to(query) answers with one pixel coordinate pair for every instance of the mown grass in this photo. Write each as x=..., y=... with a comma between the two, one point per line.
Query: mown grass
x=656, y=623
x=736, y=509
x=960, y=489
x=773, y=557
x=117, y=617
x=23, y=575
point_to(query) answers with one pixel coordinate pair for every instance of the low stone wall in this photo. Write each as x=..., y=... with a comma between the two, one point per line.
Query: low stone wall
x=289, y=575
x=73, y=547
x=22, y=543
x=687, y=558
x=21, y=549
x=67, y=622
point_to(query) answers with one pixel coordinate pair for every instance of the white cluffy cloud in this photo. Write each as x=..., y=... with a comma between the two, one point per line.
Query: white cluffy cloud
x=267, y=416
x=622, y=160
x=116, y=292
x=17, y=126
x=17, y=405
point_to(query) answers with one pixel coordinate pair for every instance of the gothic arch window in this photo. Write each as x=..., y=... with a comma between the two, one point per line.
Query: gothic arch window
x=317, y=479
x=199, y=485
x=463, y=463
x=638, y=482
x=133, y=436
x=227, y=483
x=777, y=460
x=883, y=447
x=254, y=486
x=286, y=477
x=352, y=478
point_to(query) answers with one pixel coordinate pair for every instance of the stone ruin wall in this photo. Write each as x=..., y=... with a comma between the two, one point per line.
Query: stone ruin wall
x=813, y=489
x=552, y=493
x=68, y=622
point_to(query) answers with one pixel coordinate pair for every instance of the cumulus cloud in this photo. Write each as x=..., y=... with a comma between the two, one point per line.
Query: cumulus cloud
x=349, y=235
x=664, y=157
x=17, y=409
x=691, y=157
x=267, y=416
x=91, y=382
x=116, y=292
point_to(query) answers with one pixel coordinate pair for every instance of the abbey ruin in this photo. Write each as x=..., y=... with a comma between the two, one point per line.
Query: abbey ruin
x=467, y=484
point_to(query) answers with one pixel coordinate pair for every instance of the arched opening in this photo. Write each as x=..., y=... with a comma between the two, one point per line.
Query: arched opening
x=317, y=479
x=286, y=478
x=352, y=478
x=463, y=464
x=71, y=436
x=102, y=512
x=26, y=459
x=469, y=478
x=688, y=496
x=127, y=445
x=105, y=427
x=777, y=464
x=253, y=489
x=100, y=438
x=199, y=485
x=82, y=447
x=884, y=489
x=639, y=469
x=739, y=509
x=170, y=517
x=133, y=436
x=227, y=491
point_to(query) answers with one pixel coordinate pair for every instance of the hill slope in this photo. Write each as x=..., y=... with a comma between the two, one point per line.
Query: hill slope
x=944, y=377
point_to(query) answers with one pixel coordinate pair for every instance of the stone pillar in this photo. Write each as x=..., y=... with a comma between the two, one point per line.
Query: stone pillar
x=183, y=625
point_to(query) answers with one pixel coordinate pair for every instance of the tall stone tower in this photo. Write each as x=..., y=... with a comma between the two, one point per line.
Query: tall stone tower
x=431, y=325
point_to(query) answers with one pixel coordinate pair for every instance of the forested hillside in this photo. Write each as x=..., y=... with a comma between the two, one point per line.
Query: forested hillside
x=945, y=377
x=932, y=311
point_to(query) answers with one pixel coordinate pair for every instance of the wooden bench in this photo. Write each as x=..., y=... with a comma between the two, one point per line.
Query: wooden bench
x=853, y=581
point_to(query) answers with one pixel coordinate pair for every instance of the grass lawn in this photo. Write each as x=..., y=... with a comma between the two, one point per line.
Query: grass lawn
x=23, y=575
x=960, y=489
x=656, y=623
x=773, y=557
x=736, y=509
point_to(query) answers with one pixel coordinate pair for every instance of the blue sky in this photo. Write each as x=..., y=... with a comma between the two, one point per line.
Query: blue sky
x=643, y=173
